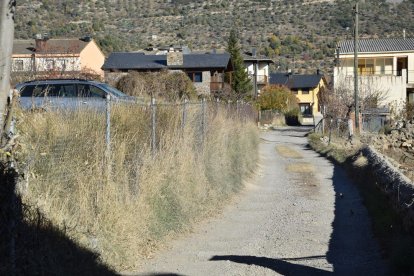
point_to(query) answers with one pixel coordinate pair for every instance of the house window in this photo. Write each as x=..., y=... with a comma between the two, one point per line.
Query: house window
x=375, y=66
x=366, y=66
x=305, y=91
x=295, y=91
x=62, y=64
x=305, y=109
x=195, y=76
x=18, y=65
x=50, y=64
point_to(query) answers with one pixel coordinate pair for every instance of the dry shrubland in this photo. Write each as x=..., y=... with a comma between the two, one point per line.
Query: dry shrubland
x=124, y=211
x=168, y=85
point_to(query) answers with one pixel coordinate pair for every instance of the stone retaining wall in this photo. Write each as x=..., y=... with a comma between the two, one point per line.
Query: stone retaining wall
x=392, y=182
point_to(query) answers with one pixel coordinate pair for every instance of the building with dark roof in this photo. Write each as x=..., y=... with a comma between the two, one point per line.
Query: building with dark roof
x=45, y=56
x=207, y=70
x=385, y=66
x=307, y=89
x=257, y=67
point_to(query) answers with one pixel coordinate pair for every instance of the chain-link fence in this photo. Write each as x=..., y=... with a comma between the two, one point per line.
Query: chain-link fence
x=333, y=129
x=132, y=130
x=75, y=162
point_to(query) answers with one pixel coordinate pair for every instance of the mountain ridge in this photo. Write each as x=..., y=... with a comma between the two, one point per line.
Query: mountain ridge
x=295, y=33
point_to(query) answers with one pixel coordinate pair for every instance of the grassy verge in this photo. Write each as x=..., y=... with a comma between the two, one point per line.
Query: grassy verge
x=125, y=211
x=397, y=242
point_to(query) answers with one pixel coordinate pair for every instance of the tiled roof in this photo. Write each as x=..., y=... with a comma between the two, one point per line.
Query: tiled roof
x=295, y=81
x=377, y=45
x=53, y=46
x=249, y=57
x=140, y=61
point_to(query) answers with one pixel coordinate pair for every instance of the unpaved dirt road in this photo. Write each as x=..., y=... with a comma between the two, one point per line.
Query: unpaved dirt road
x=301, y=215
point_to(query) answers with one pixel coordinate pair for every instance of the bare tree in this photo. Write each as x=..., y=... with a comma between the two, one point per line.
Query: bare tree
x=7, y=10
x=340, y=102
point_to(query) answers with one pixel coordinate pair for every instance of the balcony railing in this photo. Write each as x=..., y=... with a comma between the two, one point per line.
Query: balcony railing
x=261, y=79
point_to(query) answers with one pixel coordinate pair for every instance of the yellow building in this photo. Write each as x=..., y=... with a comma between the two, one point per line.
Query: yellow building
x=306, y=88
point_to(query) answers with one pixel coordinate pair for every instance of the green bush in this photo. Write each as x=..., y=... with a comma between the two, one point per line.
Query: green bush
x=277, y=97
x=292, y=117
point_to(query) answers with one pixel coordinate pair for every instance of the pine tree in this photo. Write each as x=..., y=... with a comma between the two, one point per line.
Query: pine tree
x=240, y=81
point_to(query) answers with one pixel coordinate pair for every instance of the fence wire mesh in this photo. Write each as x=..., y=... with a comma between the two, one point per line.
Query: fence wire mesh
x=71, y=147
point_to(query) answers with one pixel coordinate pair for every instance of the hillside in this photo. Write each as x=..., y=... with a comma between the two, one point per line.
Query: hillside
x=299, y=34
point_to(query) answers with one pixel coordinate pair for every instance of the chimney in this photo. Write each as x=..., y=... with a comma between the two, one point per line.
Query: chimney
x=175, y=59
x=254, y=52
x=318, y=71
x=41, y=42
x=86, y=38
x=404, y=33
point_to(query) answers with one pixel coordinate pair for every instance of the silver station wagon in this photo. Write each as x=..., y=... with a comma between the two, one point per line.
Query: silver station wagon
x=67, y=93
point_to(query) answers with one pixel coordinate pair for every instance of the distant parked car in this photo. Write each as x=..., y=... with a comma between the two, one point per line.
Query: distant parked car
x=67, y=93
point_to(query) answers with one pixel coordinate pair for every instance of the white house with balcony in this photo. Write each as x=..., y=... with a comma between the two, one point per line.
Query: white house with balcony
x=384, y=65
x=258, y=69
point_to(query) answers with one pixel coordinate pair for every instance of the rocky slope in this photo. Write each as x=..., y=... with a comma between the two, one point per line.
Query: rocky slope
x=306, y=30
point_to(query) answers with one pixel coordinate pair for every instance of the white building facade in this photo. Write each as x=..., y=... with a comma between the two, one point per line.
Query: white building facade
x=258, y=69
x=385, y=66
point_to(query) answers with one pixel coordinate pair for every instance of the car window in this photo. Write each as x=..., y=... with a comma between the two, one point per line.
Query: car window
x=87, y=90
x=84, y=90
x=68, y=90
x=54, y=90
x=97, y=92
x=113, y=90
x=33, y=91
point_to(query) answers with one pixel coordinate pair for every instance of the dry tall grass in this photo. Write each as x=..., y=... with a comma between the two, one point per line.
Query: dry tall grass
x=127, y=214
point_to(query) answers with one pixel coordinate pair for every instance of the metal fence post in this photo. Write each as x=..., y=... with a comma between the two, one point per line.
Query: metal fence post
x=259, y=116
x=108, y=136
x=203, y=118
x=153, y=126
x=184, y=120
x=330, y=132
x=238, y=109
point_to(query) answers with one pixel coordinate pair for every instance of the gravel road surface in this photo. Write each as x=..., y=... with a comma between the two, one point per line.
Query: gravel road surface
x=300, y=215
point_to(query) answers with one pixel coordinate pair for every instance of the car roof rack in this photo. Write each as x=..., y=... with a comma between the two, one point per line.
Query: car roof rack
x=58, y=79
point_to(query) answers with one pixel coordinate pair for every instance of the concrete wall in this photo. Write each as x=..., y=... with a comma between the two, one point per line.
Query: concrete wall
x=394, y=88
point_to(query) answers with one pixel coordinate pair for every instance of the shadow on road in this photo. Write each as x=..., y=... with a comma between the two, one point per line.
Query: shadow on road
x=277, y=265
x=160, y=274
x=31, y=245
x=352, y=247
x=300, y=129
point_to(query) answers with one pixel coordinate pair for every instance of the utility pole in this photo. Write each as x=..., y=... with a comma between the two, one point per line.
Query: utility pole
x=356, y=67
x=7, y=10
